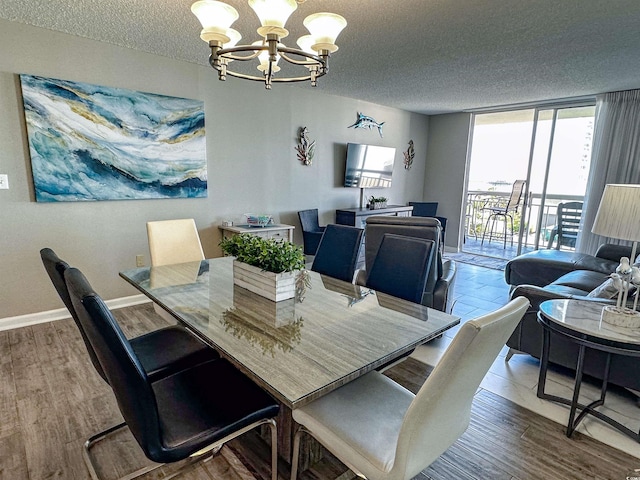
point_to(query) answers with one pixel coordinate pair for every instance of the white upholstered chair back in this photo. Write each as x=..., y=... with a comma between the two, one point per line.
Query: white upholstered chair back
x=174, y=241
x=440, y=411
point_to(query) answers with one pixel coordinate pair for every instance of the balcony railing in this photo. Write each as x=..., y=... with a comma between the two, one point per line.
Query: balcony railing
x=537, y=230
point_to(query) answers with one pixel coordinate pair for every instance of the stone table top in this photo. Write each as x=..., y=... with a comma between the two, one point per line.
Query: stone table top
x=296, y=350
x=585, y=317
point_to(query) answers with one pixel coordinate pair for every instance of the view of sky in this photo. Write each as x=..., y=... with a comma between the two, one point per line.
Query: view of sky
x=501, y=150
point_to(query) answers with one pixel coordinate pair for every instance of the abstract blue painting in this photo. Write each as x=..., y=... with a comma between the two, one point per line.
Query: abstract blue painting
x=89, y=142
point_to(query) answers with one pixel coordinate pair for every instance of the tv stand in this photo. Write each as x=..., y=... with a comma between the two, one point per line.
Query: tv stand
x=357, y=217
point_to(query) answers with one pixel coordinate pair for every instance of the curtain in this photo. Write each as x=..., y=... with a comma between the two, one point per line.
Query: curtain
x=615, y=157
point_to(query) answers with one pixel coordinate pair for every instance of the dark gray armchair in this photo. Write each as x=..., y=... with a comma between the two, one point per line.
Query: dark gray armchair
x=439, y=286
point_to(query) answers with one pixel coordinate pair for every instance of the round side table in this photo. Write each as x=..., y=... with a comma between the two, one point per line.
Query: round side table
x=580, y=322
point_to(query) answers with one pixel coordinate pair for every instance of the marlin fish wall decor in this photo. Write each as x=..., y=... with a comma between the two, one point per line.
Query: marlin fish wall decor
x=364, y=121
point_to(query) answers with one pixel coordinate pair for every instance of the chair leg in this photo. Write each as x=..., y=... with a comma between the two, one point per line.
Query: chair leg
x=274, y=450
x=505, y=226
x=86, y=454
x=196, y=457
x=486, y=227
x=296, y=453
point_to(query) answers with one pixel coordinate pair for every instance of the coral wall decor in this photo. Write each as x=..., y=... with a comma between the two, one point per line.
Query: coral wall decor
x=305, y=148
x=408, y=156
x=89, y=142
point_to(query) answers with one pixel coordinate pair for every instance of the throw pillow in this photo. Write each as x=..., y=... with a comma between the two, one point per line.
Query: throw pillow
x=606, y=289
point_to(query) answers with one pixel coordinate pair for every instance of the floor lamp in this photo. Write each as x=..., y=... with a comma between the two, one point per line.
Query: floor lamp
x=619, y=217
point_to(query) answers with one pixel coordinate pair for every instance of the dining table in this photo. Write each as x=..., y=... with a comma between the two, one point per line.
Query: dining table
x=299, y=349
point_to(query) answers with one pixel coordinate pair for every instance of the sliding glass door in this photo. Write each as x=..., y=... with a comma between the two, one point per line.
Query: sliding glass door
x=549, y=148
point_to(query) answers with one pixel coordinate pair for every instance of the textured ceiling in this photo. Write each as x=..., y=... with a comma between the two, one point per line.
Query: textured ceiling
x=427, y=56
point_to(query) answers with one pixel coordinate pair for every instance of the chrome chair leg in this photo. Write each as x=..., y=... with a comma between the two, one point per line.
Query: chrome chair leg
x=209, y=451
x=296, y=452
x=86, y=454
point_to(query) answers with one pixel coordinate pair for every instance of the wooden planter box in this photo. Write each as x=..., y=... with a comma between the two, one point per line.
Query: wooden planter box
x=378, y=205
x=261, y=311
x=274, y=286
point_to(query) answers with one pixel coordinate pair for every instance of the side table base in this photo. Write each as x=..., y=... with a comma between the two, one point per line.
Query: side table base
x=574, y=404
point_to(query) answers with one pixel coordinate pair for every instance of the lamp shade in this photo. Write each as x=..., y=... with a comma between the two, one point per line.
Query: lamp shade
x=273, y=13
x=215, y=18
x=234, y=38
x=619, y=213
x=325, y=28
x=305, y=43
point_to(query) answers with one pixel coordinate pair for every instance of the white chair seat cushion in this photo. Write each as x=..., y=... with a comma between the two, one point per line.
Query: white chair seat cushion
x=360, y=422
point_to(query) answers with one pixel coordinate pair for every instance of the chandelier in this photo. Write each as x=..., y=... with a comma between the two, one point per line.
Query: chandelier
x=311, y=58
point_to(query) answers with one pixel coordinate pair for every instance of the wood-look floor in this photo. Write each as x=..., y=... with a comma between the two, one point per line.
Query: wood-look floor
x=51, y=400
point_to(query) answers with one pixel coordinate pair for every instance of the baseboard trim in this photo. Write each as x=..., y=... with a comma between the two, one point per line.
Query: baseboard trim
x=9, y=323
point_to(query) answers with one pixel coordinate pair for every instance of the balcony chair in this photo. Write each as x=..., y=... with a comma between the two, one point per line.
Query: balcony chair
x=338, y=252
x=401, y=266
x=441, y=274
x=381, y=431
x=173, y=241
x=311, y=230
x=191, y=413
x=568, y=226
x=504, y=211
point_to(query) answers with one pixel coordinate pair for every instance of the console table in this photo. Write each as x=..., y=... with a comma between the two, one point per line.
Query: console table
x=280, y=231
x=580, y=322
x=357, y=217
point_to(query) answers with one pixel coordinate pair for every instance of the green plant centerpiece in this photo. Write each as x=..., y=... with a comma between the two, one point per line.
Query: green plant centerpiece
x=376, y=203
x=272, y=268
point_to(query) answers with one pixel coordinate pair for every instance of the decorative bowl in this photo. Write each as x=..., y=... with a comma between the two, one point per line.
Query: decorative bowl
x=258, y=220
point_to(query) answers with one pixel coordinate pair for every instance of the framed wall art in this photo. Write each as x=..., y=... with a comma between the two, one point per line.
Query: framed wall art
x=89, y=142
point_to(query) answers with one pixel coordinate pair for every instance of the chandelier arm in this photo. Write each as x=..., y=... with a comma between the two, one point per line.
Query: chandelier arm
x=308, y=63
x=254, y=51
x=274, y=79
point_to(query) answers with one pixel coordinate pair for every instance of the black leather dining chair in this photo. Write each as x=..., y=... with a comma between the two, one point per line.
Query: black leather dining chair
x=190, y=413
x=161, y=352
x=401, y=266
x=338, y=252
x=438, y=292
x=311, y=230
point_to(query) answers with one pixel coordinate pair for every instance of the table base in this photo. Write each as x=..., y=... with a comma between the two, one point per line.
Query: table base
x=574, y=403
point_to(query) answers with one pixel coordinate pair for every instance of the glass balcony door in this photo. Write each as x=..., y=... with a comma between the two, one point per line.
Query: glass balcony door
x=550, y=148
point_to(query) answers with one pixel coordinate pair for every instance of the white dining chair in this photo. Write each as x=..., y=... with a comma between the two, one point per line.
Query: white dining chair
x=382, y=431
x=173, y=241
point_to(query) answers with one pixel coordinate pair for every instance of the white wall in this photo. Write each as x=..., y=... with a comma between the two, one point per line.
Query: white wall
x=444, y=180
x=252, y=166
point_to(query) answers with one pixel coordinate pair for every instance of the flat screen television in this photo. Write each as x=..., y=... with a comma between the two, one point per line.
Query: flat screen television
x=369, y=166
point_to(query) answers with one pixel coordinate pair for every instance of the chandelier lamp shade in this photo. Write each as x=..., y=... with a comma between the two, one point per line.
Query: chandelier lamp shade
x=311, y=58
